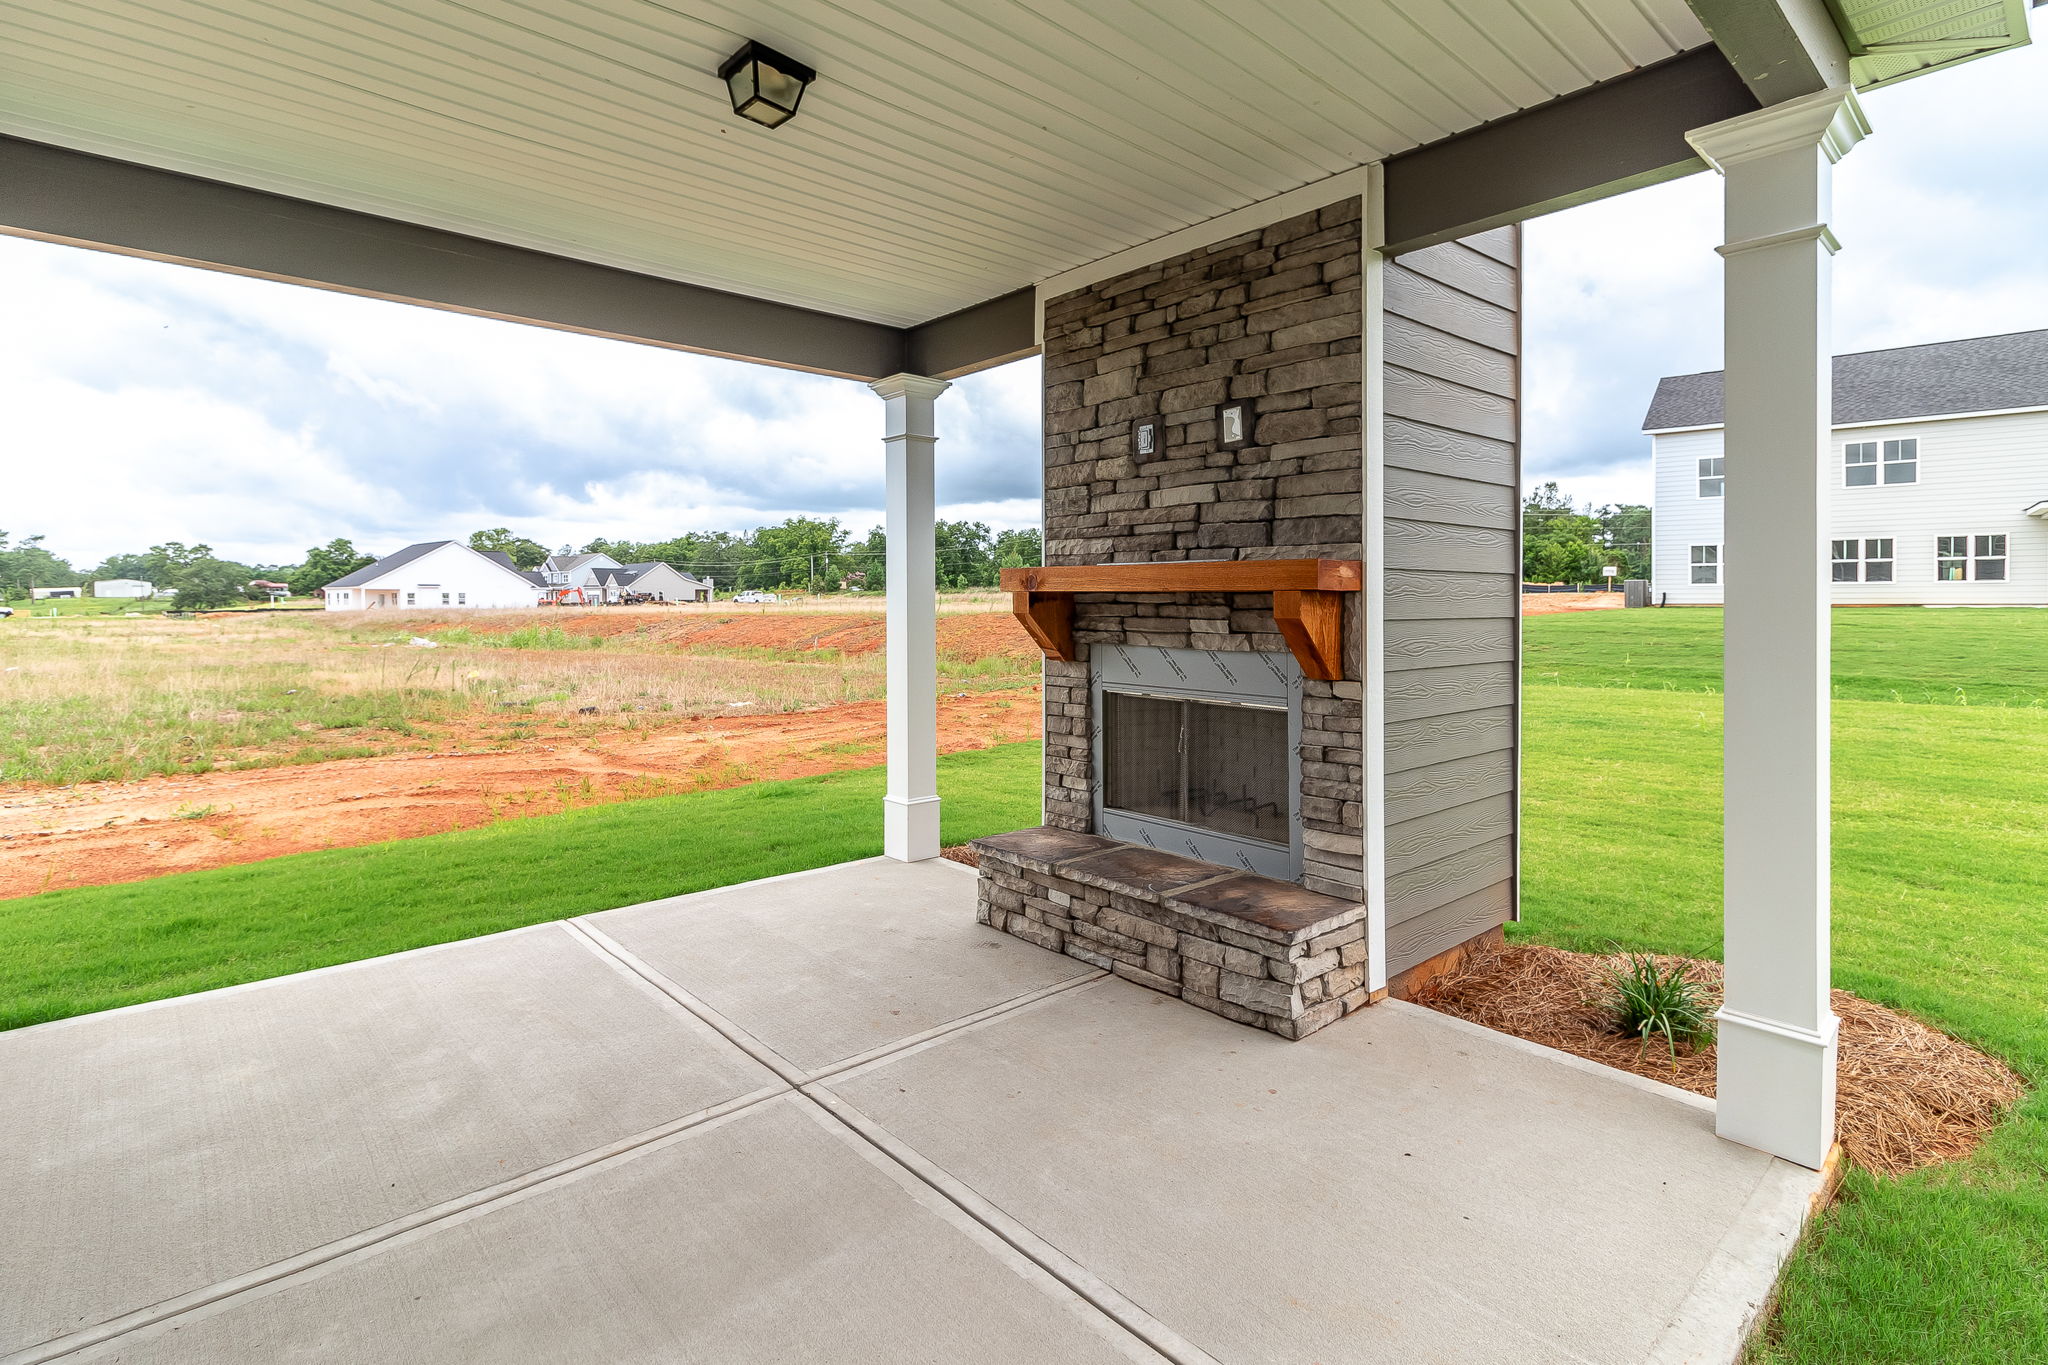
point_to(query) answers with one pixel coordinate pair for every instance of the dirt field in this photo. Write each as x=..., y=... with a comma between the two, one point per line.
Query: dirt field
x=1545, y=603
x=95, y=833
x=379, y=738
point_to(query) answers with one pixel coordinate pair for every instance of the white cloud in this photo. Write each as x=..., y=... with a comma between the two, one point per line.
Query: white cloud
x=264, y=418
x=142, y=402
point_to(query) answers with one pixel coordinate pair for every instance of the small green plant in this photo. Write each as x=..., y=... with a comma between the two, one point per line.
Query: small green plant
x=193, y=812
x=1649, y=1001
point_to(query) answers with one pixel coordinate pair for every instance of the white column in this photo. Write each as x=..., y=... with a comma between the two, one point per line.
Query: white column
x=1776, y=1077
x=910, y=811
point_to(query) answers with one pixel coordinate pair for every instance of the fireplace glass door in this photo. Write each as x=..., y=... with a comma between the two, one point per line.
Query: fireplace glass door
x=1219, y=766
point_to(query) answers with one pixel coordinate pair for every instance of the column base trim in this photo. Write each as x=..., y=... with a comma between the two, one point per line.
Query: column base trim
x=1775, y=1086
x=1789, y=1032
x=910, y=828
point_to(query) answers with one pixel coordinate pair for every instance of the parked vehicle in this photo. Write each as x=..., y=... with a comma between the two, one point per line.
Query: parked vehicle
x=756, y=595
x=6, y=612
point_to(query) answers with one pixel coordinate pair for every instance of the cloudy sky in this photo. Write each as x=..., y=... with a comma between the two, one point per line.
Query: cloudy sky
x=142, y=402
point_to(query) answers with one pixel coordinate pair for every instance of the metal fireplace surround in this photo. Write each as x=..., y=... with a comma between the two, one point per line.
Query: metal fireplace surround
x=1197, y=752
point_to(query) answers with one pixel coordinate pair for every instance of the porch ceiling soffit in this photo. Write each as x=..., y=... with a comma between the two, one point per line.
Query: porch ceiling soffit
x=1611, y=137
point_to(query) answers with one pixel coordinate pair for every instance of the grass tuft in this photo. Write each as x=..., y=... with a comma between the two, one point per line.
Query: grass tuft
x=1647, y=1002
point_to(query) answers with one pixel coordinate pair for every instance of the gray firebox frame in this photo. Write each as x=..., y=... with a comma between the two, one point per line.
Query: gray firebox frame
x=1240, y=677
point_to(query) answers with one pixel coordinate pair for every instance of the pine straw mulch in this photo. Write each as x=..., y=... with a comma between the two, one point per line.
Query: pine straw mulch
x=1907, y=1095
x=962, y=853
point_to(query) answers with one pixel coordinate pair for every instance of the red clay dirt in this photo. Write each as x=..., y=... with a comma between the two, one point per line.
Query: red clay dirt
x=966, y=635
x=1549, y=603
x=99, y=833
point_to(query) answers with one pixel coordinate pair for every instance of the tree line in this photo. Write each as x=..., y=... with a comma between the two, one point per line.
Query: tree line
x=817, y=554
x=803, y=553
x=1565, y=543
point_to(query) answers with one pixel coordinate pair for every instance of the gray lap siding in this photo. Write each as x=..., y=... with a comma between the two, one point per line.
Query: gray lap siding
x=1452, y=547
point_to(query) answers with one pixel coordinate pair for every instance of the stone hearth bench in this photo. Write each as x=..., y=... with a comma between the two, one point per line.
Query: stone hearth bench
x=1259, y=951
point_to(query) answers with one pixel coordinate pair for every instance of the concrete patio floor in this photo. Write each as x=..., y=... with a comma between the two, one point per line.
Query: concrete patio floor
x=828, y=1117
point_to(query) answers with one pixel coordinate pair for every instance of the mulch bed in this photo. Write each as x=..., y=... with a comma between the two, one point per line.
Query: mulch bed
x=1908, y=1096
x=962, y=853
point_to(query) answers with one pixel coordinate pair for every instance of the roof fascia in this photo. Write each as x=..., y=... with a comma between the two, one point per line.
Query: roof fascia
x=58, y=195
x=1607, y=139
x=1917, y=420
x=993, y=332
x=1780, y=48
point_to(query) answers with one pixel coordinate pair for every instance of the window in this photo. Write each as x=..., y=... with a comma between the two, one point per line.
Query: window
x=1902, y=461
x=444, y=599
x=1954, y=561
x=1990, y=559
x=1951, y=558
x=1873, y=566
x=462, y=599
x=409, y=599
x=1712, y=475
x=1859, y=464
x=1706, y=564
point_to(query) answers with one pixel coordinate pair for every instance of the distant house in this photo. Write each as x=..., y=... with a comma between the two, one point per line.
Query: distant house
x=39, y=594
x=651, y=582
x=601, y=578
x=270, y=589
x=435, y=573
x=1938, y=494
x=123, y=587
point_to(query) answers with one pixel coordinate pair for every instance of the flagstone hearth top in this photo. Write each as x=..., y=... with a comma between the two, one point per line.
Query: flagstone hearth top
x=1261, y=906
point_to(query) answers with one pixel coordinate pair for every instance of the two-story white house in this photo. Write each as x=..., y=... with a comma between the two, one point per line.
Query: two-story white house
x=436, y=573
x=1939, y=476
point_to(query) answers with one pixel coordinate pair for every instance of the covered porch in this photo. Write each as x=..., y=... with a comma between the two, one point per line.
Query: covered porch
x=828, y=1116
x=832, y=1117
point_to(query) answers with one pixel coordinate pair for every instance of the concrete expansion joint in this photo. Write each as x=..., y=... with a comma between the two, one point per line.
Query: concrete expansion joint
x=790, y=1081
x=370, y=1241
x=810, y=1089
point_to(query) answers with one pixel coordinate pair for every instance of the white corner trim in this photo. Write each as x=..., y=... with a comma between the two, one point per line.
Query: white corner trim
x=1349, y=184
x=1372, y=672
x=1831, y=120
x=1816, y=232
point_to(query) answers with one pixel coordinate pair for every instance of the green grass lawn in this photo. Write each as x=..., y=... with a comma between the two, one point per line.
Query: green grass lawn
x=72, y=952
x=1966, y=657
x=1941, y=909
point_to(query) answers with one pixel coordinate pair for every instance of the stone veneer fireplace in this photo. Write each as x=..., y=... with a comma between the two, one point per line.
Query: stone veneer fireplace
x=1200, y=606
x=1203, y=795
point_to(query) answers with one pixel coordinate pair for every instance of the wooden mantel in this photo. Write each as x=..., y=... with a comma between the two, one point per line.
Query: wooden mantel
x=1306, y=605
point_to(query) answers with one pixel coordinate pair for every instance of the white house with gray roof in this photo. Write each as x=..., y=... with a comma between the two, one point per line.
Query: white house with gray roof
x=1937, y=478
x=435, y=574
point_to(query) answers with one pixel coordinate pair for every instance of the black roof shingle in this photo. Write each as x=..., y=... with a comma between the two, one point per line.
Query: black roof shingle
x=1978, y=374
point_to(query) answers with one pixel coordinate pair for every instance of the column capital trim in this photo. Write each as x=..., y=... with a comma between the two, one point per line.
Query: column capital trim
x=1831, y=120
x=910, y=385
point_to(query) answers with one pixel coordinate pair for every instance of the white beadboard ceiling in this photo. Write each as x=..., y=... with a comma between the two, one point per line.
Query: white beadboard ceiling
x=951, y=150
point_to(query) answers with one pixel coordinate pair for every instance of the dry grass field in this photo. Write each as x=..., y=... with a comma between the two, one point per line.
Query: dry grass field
x=135, y=746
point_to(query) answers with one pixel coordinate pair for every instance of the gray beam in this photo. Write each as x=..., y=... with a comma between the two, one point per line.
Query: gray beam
x=1616, y=136
x=977, y=338
x=59, y=195
x=1781, y=48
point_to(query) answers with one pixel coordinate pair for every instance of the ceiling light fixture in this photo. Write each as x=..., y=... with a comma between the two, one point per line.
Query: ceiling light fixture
x=765, y=85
